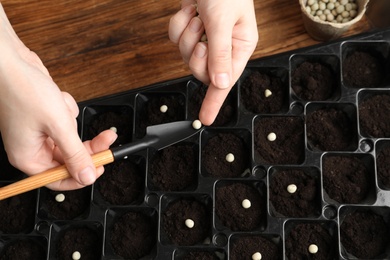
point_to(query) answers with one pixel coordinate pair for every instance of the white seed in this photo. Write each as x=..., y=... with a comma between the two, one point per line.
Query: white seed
x=113, y=128
x=330, y=6
x=60, y=197
x=189, y=223
x=310, y=2
x=339, y=19
x=343, y=2
x=308, y=9
x=246, y=204
x=196, y=124
x=292, y=188
x=340, y=9
x=348, y=7
x=325, y=1
x=203, y=38
x=267, y=93
x=346, y=20
x=163, y=108
x=327, y=12
x=330, y=17
x=345, y=14
x=76, y=255
x=313, y=249
x=334, y=12
x=315, y=7
x=229, y=157
x=319, y=12
x=322, y=6
x=352, y=13
x=322, y=17
x=256, y=256
x=271, y=137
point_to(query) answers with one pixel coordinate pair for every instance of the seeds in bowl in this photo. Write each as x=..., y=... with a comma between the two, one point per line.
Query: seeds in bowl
x=333, y=11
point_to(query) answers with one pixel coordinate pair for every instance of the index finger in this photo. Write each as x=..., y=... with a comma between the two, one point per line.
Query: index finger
x=212, y=103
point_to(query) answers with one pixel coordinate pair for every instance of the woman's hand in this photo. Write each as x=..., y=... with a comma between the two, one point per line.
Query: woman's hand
x=38, y=121
x=232, y=36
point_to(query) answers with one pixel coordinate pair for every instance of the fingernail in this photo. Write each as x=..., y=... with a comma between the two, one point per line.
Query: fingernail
x=189, y=9
x=195, y=25
x=222, y=80
x=87, y=176
x=200, y=51
x=113, y=139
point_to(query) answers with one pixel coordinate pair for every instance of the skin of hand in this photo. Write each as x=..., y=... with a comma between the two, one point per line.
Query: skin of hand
x=38, y=121
x=232, y=36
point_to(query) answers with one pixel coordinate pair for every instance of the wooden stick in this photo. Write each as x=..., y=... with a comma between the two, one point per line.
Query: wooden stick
x=49, y=176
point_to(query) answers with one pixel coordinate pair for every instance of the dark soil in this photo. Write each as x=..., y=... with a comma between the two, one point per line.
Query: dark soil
x=226, y=114
x=363, y=70
x=133, y=235
x=303, y=235
x=201, y=255
x=81, y=239
x=346, y=178
x=330, y=129
x=17, y=214
x=150, y=113
x=252, y=93
x=383, y=166
x=365, y=234
x=245, y=246
x=288, y=148
x=229, y=210
x=174, y=217
x=75, y=204
x=374, y=116
x=122, y=121
x=122, y=182
x=23, y=249
x=305, y=202
x=313, y=81
x=174, y=168
x=215, y=151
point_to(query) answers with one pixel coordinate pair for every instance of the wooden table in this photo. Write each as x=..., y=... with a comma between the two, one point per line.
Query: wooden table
x=94, y=48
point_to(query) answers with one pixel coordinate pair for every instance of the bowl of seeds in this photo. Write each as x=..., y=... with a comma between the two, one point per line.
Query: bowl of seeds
x=328, y=19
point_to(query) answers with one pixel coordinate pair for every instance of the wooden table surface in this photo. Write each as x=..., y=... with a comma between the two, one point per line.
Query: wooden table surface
x=93, y=48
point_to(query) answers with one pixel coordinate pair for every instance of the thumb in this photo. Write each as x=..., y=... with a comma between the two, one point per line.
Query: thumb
x=76, y=158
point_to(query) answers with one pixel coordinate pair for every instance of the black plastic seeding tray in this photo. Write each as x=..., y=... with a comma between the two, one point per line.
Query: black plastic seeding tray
x=318, y=165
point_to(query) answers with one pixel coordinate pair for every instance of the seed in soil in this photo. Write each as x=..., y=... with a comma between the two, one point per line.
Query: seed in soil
x=229, y=157
x=292, y=188
x=246, y=204
x=60, y=197
x=271, y=137
x=313, y=249
x=189, y=223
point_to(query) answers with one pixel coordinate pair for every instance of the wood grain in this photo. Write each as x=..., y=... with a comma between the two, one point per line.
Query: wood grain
x=93, y=48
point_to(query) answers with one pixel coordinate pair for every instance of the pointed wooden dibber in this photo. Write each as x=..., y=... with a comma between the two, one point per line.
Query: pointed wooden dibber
x=49, y=176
